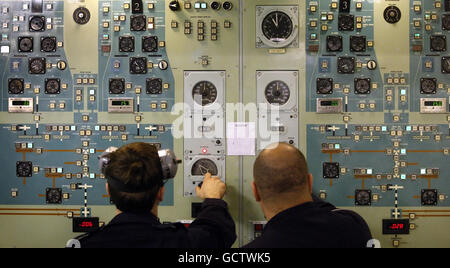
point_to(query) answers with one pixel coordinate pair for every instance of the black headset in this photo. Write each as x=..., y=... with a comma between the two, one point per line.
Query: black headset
x=169, y=162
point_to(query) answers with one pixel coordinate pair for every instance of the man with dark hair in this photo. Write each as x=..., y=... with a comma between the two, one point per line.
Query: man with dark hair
x=136, y=186
x=296, y=218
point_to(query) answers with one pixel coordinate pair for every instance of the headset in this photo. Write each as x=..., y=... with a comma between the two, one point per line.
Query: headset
x=169, y=162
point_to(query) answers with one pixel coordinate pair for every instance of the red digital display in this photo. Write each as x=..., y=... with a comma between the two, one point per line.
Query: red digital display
x=396, y=226
x=85, y=224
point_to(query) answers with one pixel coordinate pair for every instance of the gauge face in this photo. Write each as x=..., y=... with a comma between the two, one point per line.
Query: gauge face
x=204, y=93
x=363, y=197
x=25, y=44
x=429, y=197
x=36, y=65
x=116, y=86
x=15, y=86
x=48, y=44
x=138, y=65
x=52, y=86
x=428, y=86
x=37, y=24
x=203, y=166
x=446, y=65
x=277, y=26
x=362, y=86
x=277, y=93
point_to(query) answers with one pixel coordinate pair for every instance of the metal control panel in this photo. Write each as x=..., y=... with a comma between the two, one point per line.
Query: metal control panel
x=361, y=87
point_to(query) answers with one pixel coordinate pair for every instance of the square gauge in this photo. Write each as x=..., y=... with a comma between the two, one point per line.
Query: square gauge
x=277, y=90
x=276, y=26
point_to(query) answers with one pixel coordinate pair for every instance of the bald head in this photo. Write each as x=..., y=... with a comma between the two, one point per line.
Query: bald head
x=280, y=169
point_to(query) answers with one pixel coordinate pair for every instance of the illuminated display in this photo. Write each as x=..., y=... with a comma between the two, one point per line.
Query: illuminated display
x=329, y=103
x=396, y=226
x=120, y=103
x=84, y=225
x=434, y=103
x=21, y=103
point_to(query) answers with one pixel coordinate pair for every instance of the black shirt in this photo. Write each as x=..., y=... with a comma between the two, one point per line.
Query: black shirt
x=314, y=225
x=213, y=228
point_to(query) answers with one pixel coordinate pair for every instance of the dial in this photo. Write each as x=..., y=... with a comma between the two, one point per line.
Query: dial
x=174, y=5
x=363, y=197
x=52, y=86
x=358, y=43
x=392, y=14
x=446, y=65
x=138, y=65
x=15, y=86
x=24, y=169
x=438, y=43
x=324, y=86
x=25, y=44
x=334, y=43
x=277, y=26
x=362, y=86
x=331, y=170
x=429, y=197
x=138, y=23
x=428, y=85
x=149, y=43
x=48, y=44
x=37, y=24
x=277, y=93
x=126, y=44
x=116, y=86
x=36, y=65
x=203, y=166
x=204, y=93
x=346, y=65
x=154, y=86
x=53, y=196
x=81, y=15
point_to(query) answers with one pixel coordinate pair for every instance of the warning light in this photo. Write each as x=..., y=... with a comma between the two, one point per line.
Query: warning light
x=204, y=150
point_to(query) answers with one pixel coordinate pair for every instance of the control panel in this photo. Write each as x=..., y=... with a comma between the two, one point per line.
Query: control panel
x=361, y=87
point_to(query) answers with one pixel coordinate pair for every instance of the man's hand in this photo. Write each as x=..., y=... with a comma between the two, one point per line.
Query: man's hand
x=211, y=188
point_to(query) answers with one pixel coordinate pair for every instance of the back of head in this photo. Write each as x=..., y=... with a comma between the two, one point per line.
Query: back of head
x=134, y=177
x=280, y=170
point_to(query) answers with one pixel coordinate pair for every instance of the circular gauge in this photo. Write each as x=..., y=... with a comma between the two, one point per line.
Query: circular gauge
x=116, y=86
x=277, y=93
x=438, y=43
x=53, y=196
x=126, y=44
x=324, y=86
x=331, y=170
x=446, y=65
x=392, y=14
x=150, y=44
x=138, y=65
x=37, y=24
x=334, y=43
x=204, y=93
x=15, y=86
x=48, y=44
x=36, y=66
x=277, y=26
x=52, y=86
x=428, y=86
x=346, y=65
x=24, y=169
x=363, y=198
x=446, y=22
x=346, y=22
x=81, y=15
x=203, y=166
x=138, y=23
x=362, y=86
x=25, y=44
x=429, y=197
x=154, y=86
x=358, y=43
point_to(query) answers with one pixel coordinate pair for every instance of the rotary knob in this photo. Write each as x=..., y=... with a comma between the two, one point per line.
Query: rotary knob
x=174, y=5
x=392, y=14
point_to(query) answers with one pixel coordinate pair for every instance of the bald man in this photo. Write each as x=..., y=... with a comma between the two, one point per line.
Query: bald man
x=296, y=219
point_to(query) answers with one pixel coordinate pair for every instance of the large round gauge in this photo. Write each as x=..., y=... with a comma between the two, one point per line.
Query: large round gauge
x=277, y=93
x=203, y=166
x=204, y=93
x=277, y=26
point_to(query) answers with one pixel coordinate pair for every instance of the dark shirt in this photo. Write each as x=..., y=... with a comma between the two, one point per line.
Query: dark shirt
x=213, y=228
x=314, y=225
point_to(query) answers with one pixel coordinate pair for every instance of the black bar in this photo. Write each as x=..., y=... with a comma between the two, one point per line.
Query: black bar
x=344, y=6
x=36, y=6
